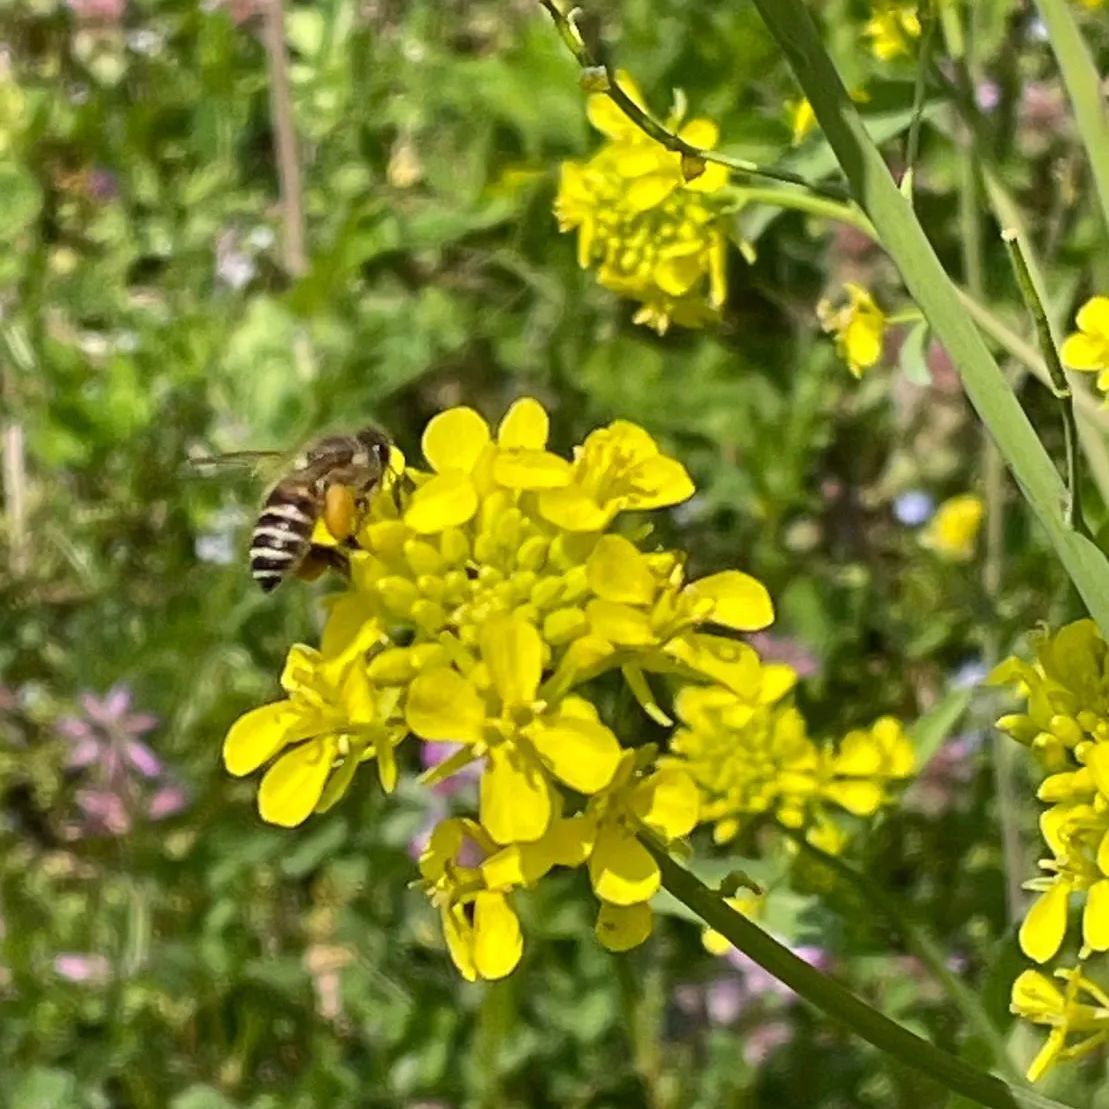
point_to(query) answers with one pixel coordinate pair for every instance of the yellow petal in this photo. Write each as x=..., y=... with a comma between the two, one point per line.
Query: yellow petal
x=459, y=934
x=652, y=189
x=659, y=482
x=739, y=600
x=858, y=797
x=1082, y=352
x=621, y=869
x=667, y=802
x=1041, y=934
x=448, y=500
x=1035, y=996
x=676, y=275
x=292, y=787
x=531, y=469
x=351, y=625
x=455, y=439
x=582, y=753
x=622, y=928
x=442, y=705
x=573, y=509
x=618, y=571
x=700, y=132
x=301, y=670
x=257, y=736
x=620, y=624
x=1093, y=317
x=1095, y=917
x=498, y=943
x=525, y=425
x=515, y=802
x=513, y=652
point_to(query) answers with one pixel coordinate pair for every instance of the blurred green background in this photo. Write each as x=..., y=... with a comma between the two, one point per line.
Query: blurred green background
x=160, y=945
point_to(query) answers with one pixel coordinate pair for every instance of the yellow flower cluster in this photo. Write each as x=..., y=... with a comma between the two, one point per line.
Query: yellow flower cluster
x=1066, y=725
x=755, y=758
x=859, y=327
x=892, y=28
x=654, y=233
x=484, y=592
x=953, y=531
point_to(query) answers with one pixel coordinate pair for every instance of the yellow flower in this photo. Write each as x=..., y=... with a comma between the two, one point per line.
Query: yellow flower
x=953, y=531
x=495, y=711
x=892, y=27
x=485, y=591
x=1088, y=348
x=654, y=235
x=802, y=118
x=859, y=327
x=1067, y=690
x=332, y=720
x=1081, y=1008
x=480, y=926
x=751, y=759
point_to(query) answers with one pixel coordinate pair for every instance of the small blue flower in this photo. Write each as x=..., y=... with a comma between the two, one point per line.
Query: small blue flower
x=914, y=508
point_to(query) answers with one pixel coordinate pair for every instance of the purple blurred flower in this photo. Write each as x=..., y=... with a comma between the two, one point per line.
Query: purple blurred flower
x=725, y=999
x=74, y=967
x=760, y=983
x=987, y=95
x=121, y=777
x=97, y=11
x=432, y=754
x=940, y=784
x=784, y=648
x=761, y=1042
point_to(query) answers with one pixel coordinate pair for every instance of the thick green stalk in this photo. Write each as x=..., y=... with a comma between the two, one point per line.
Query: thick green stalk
x=837, y=1001
x=903, y=238
x=1083, y=83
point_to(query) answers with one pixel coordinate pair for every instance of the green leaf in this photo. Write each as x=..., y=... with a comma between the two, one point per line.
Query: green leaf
x=912, y=361
x=931, y=730
x=20, y=201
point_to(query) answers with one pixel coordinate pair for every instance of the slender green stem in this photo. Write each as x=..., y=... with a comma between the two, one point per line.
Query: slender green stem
x=599, y=76
x=920, y=944
x=904, y=239
x=1083, y=82
x=912, y=145
x=1060, y=386
x=837, y=1001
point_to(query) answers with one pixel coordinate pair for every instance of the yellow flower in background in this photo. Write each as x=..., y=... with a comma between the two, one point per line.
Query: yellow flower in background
x=802, y=118
x=859, y=328
x=1080, y=1008
x=332, y=720
x=747, y=902
x=892, y=28
x=1066, y=724
x=1087, y=349
x=754, y=759
x=653, y=235
x=953, y=531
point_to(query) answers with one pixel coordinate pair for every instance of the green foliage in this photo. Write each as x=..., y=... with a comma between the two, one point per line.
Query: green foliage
x=195, y=958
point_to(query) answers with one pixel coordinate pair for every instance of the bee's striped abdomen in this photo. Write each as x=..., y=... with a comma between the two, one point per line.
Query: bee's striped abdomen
x=282, y=535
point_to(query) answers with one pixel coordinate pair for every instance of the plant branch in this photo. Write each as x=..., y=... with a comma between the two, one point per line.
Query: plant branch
x=293, y=237
x=1060, y=386
x=837, y=1001
x=918, y=943
x=599, y=76
x=901, y=234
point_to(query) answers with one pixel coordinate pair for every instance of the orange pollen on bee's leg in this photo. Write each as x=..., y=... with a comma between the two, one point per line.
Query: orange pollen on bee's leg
x=311, y=567
x=339, y=511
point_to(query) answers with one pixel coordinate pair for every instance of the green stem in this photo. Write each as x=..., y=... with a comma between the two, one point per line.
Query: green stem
x=837, y=1001
x=1060, y=386
x=904, y=239
x=807, y=202
x=1083, y=83
x=919, y=943
x=912, y=146
x=599, y=76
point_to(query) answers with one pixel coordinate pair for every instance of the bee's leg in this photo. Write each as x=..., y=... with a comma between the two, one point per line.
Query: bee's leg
x=340, y=511
x=319, y=559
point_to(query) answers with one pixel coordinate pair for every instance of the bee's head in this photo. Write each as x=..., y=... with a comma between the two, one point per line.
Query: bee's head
x=377, y=443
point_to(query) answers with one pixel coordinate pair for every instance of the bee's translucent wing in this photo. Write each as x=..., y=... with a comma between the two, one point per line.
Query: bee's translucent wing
x=264, y=465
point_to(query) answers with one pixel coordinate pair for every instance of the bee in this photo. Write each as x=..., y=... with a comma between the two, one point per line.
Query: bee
x=331, y=480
